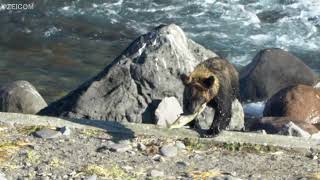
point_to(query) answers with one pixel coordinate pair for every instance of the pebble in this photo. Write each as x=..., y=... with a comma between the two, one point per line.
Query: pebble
x=44, y=178
x=66, y=131
x=47, y=133
x=127, y=142
x=93, y=177
x=2, y=176
x=169, y=150
x=119, y=147
x=198, y=157
x=141, y=147
x=157, y=157
x=181, y=164
x=225, y=178
x=127, y=168
x=180, y=145
x=156, y=173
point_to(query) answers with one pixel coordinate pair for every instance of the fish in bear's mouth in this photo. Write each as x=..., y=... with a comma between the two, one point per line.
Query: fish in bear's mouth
x=185, y=119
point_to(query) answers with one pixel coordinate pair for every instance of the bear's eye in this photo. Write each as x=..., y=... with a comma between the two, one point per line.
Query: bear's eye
x=208, y=82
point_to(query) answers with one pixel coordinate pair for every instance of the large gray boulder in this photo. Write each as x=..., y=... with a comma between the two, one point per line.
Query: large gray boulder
x=131, y=87
x=271, y=70
x=20, y=97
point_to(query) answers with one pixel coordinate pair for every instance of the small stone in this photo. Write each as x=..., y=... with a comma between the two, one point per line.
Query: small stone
x=141, y=147
x=156, y=173
x=226, y=177
x=157, y=157
x=315, y=157
x=120, y=147
x=47, y=133
x=93, y=177
x=109, y=143
x=254, y=176
x=127, y=168
x=181, y=164
x=2, y=176
x=317, y=86
x=66, y=131
x=44, y=178
x=101, y=149
x=291, y=129
x=127, y=142
x=73, y=173
x=132, y=153
x=180, y=145
x=198, y=157
x=260, y=131
x=169, y=150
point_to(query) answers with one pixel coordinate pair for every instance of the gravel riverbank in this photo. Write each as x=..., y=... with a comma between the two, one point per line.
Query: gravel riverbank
x=94, y=154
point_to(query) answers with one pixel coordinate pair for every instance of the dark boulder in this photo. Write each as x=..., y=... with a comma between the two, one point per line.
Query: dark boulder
x=131, y=87
x=270, y=71
x=20, y=97
x=299, y=102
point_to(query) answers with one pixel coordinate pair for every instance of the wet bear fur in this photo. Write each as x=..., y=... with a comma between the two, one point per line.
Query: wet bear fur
x=214, y=81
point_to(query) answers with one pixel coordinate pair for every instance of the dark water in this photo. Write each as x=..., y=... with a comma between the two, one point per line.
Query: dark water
x=59, y=44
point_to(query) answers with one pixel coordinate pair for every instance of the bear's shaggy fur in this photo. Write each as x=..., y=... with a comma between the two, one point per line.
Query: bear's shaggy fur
x=215, y=82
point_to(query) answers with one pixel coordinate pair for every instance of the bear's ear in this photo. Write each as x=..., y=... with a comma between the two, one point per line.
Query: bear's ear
x=208, y=82
x=185, y=79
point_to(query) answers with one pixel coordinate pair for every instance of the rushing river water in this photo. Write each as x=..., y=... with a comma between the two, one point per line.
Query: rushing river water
x=59, y=44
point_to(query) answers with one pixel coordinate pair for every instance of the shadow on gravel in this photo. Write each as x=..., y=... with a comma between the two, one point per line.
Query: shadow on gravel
x=117, y=130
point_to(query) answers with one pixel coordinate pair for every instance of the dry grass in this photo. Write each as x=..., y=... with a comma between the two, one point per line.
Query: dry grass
x=28, y=130
x=205, y=174
x=314, y=176
x=92, y=132
x=7, y=149
x=113, y=172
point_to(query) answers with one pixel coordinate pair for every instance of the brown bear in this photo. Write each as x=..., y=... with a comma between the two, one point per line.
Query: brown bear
x=298, y=102
x=214, y=82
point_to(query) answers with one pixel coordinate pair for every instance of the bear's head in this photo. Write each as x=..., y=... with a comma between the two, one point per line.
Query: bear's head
x=199, y=89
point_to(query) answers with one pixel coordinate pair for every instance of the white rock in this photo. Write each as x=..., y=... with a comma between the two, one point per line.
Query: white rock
x=157, y=157
x=316, y=136
x=237, y=118
x=317, y=86
x=66, y=131
x=141, y=147
x=120, y=147
x=2, y=176
x=156, y=173
x=93, y=177
x=169, y=150
x=168, y=111
x=292, y=129
x=180, y=145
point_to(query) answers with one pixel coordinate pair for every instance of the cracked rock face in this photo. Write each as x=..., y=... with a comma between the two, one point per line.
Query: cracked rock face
x=131, y=87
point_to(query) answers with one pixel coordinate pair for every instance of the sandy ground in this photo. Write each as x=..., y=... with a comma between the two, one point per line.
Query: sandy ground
x=88, y=154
